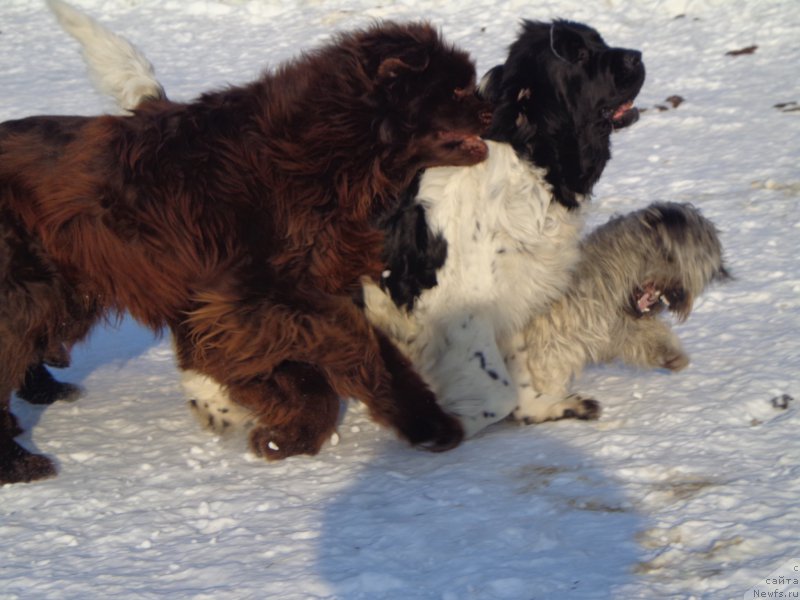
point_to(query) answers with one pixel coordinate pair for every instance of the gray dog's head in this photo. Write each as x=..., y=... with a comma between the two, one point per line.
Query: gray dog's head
x=665, y=256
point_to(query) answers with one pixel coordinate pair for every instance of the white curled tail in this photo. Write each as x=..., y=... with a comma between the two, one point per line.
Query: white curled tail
x=116, y=66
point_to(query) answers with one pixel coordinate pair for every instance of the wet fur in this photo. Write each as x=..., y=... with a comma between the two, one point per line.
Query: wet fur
x=243, y=225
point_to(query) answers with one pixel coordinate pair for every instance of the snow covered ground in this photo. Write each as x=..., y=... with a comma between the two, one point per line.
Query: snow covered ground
x=687, y=487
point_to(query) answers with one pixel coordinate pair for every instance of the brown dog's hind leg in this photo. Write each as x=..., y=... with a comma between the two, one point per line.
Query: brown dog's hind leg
x=40, y=387
x=235, y=340
x=17, y=465
x=295, y=410
x=415, y=412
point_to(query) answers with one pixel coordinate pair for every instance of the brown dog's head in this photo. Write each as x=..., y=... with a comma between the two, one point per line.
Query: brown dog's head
x=426, y=110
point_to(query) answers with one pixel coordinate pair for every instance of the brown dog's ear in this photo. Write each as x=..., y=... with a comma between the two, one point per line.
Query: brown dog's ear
x=412, y=61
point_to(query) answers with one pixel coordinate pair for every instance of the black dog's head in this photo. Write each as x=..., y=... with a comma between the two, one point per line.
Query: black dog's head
x=558, y=97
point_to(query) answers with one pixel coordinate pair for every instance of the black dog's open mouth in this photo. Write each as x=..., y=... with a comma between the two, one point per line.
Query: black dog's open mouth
x=624, y=115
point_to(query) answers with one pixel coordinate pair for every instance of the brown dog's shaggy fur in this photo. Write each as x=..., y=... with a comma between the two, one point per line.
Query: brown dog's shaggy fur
x=243, y=222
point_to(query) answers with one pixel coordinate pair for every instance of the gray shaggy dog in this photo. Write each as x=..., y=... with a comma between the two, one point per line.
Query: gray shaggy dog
x=631, y=269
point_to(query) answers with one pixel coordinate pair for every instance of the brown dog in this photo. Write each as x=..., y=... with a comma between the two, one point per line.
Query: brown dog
x=243, y=222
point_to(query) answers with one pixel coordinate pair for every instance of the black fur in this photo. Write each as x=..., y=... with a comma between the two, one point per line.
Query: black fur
x=541, y=107
x=555, y=101
x=412, y=252
x=40, y=387
x=556, y=106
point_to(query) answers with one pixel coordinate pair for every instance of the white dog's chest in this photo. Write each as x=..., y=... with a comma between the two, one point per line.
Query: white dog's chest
x=510, y=249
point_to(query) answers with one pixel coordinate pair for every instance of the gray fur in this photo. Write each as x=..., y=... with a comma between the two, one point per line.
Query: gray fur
x=667, y=247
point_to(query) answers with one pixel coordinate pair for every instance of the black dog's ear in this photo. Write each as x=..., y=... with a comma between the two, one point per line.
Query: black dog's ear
x=413, y=60
x=489, y=87
x=568, y=45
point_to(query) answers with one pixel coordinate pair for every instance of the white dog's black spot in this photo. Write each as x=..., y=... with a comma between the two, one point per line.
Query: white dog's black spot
x=484, y=367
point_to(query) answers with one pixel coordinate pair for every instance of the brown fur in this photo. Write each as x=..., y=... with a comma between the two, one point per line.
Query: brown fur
x=243, y=222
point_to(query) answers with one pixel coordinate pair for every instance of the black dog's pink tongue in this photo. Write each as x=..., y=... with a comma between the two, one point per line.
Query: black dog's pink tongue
x=620, y=112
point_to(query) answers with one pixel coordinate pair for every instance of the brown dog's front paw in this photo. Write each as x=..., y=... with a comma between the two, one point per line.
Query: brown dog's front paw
x=40, y=387
x=274, y=444
x=436, y=434
x=17, y=465
x=43, y=395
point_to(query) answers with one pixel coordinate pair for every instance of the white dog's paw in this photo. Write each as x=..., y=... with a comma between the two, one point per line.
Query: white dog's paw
x=220, y=417
x=537, y=408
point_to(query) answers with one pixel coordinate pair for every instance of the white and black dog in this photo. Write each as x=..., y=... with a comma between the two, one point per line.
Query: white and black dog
x=509, y=227
x=513, y=224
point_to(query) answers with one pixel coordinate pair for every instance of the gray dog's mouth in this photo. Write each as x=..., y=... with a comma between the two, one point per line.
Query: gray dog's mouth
x=650, y=299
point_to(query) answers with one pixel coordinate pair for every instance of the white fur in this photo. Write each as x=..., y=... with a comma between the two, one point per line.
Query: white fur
x=510, y=252
x=211, y=404
x=116, y=67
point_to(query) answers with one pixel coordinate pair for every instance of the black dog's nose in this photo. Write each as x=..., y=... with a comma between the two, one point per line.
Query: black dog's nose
x=632, y=59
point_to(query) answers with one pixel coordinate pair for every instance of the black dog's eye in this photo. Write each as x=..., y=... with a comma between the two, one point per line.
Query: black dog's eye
x=460, y=93
x=583, y=56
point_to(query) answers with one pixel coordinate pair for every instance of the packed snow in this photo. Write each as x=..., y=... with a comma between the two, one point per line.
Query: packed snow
x=688, y=486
